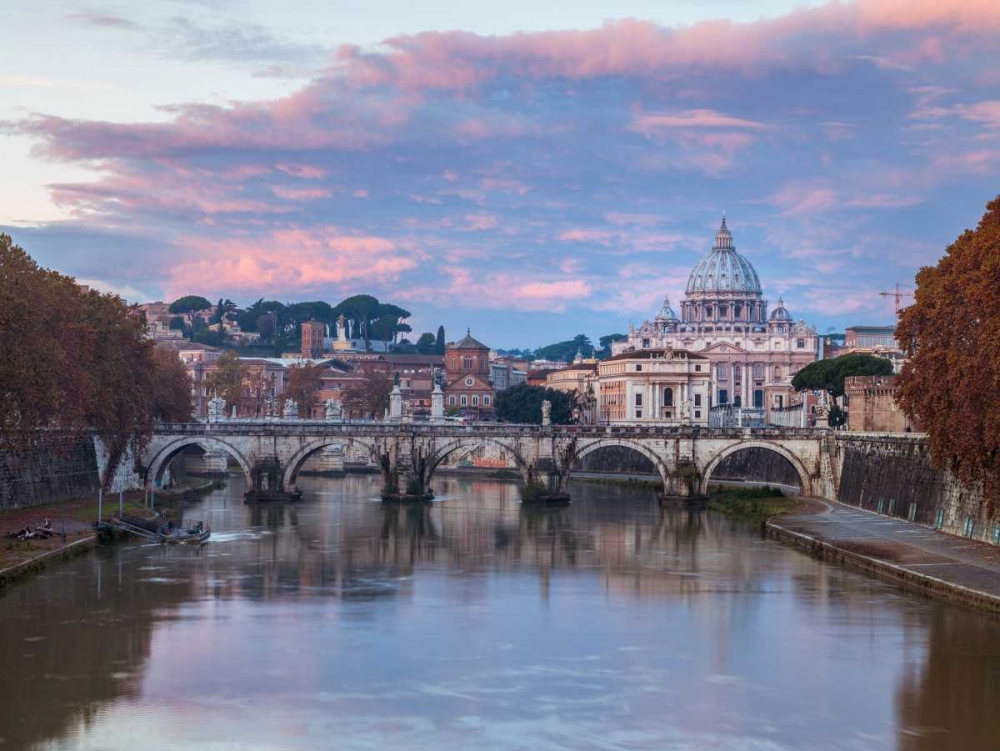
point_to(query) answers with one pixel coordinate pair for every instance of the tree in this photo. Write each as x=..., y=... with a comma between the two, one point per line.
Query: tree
x=523, y=404
x=171, y=387
x=225, y=310
x=837, y=417
x=829, y=375
x=404, y=347
x=359, y=310
x=951, y=333
x=605, y=341
x=439, y=344
x=72, y=359
x=226, y=378
x=304, y=381
x=566, y=351
x=177, y=323
x=426, y=344
x=368, y=397
x=189, y=304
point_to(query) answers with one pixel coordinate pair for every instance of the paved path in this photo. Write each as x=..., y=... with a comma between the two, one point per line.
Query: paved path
x=933, y=561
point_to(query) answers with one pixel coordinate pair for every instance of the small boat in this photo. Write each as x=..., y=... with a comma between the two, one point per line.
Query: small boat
x=196, y=534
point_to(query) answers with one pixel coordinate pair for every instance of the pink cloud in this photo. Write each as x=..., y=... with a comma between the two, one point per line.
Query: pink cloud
x=652, y=124
x=286, y=261
x=570, y=289
x=300, y=194
x=305, y=171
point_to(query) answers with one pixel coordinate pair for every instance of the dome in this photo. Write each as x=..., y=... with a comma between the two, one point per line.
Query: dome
x=666, y=312
x=780, y=313
x=723, y=269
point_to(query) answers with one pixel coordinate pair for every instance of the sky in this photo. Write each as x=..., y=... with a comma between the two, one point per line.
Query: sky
x=525, y=170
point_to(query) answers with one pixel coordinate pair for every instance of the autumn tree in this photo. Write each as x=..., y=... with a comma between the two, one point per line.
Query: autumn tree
x=226, y=378
x=304, y=381
x=171, y=387
x=951, y=382
x=368, y=397
x=73, y=359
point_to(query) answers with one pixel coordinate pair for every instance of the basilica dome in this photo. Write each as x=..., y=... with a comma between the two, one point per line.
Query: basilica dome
x=781, y=313
x=723, y=269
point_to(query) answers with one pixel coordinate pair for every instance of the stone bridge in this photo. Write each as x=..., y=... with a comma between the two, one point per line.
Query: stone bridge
x=271, y=453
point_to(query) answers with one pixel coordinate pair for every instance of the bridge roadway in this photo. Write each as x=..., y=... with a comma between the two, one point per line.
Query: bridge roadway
x=271, y=453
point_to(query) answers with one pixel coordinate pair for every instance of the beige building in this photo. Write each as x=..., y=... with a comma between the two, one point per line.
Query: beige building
x=660, y=386
x=724, y=318
x=872, y=407
x=579, y=380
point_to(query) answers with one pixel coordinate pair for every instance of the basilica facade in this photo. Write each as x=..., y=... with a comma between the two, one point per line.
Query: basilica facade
x=751, y=355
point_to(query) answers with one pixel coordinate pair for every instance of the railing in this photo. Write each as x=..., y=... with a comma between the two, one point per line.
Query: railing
x=291, y=426
x=726, y=416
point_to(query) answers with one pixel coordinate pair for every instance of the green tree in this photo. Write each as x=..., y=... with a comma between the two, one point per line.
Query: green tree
x=427, y=343
x=567, y=350
x=177, y=323
x=439, y=344
x=607, y=339
x=403, y=347
x=189, y=304
x=951, y=333
x=523, y=404
x=359, y=310
x=829, y=374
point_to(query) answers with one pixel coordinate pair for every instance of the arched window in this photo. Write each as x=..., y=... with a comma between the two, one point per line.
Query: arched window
x=668, y=397
x=451, y=400
x=486, y=401
x=475, y=400
x=465, y=400
x=777, y=373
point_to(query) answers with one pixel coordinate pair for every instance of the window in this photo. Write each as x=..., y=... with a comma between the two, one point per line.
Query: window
x=758, y=398
x=469, y=381
x=465, y=400
x=777, y=373
x=800, y=343
x=638, y=367
x=668, y=397
x=466, y=363
x=697, y=368
x=638, y=400
x=475, y=400
x=721, y=370
x=638, y=414
x=779, y=401
x=723, y=396
x=645, y=343
x=758, y=371
x=697, y=413
x=697, y=400
x=451, y=400
x=486, y=401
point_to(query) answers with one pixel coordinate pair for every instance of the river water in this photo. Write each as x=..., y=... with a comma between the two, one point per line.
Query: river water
x=339, y=622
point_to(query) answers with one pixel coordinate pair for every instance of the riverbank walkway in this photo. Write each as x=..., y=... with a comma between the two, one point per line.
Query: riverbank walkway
x=916, y=556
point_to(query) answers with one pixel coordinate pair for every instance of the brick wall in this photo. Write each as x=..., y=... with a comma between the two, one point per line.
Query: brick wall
x=59, y=469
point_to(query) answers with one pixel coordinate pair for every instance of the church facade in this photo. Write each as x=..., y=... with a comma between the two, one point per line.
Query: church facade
x=752, y=355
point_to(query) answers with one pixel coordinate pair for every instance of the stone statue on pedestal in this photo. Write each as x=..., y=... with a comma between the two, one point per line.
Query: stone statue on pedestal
x=341, y=320
x=546, y=412
x=686, y=412
x=291, y=409
x=334, y=409
x=216, y=408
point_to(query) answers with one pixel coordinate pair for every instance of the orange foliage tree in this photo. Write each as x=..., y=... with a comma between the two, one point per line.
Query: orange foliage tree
x=304, y=381
x=951, y=383
x=73, y=359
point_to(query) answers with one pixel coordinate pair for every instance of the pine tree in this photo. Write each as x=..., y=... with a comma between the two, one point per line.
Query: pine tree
x=439, y=344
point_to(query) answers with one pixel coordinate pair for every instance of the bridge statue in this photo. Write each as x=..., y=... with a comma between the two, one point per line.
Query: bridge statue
x=686, y=412
x=291, y=409
x=334, y=409
x=216, y=408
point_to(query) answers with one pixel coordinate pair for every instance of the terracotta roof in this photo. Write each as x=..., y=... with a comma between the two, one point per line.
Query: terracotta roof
x=468, y=342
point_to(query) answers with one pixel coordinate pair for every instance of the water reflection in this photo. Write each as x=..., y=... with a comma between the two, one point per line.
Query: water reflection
x=476, y=622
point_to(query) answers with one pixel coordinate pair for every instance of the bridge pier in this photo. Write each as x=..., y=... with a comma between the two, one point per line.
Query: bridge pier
x=267, y=484
x=405, y=477
x=545, y=484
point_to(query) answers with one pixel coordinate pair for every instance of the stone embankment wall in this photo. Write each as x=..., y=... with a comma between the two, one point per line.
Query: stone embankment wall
x=58, y=469
x=892, y=474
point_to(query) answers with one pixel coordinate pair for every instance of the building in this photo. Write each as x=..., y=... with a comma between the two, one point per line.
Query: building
x=870, y=338
x=663, y=386
x=752, y=355
x=580, y=381
x=871, y=405
x=313, y=338
x=468, y=390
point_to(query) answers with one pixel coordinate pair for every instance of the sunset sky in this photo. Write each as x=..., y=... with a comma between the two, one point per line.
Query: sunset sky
x=529, y=170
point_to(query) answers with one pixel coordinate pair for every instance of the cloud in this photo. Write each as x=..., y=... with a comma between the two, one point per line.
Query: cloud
x=102, y=20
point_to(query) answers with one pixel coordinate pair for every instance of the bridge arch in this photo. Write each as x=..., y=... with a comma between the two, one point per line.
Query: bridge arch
x=471, y=444
x=162, y=457
x=293, y=465
x=636, y=446
x=805, y=481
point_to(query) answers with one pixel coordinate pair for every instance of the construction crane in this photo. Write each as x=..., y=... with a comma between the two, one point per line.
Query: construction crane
x=898, y=294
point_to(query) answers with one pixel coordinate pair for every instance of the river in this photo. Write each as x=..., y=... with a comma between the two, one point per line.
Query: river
x=340, y=622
